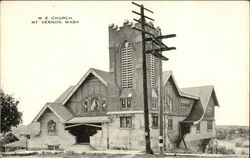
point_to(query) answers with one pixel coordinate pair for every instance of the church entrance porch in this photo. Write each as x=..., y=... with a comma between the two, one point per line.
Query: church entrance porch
x=83, y=132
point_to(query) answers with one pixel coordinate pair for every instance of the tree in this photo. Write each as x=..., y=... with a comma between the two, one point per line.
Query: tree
x=10, y=116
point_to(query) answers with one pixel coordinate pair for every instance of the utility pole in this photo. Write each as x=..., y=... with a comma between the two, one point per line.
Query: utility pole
x=144, y=80
x=160, y=46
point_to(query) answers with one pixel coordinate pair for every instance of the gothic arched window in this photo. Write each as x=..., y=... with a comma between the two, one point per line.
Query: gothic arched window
x=85, y=105
x=51, y=127
x=126, y=65
x=94, y=104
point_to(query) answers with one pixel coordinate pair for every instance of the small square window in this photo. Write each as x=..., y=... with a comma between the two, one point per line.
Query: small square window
x=126, y=121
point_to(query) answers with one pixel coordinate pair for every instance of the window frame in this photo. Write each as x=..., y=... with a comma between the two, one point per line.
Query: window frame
x=168, y=103
x=126, y=103
x=126, y=55
x=198, y=127
x=209, y=124
x=53, y=147
x=154, y=103
x=126, y=118
x=152, y=70
x=155, y=124
x=53, y=131
x=185, y=103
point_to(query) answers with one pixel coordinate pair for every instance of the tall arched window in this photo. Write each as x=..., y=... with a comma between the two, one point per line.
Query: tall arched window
x=51, y=127
x=152, y=70
x=126, y=65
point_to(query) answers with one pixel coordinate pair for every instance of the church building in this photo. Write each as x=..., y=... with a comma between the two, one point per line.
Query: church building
x=106, y=109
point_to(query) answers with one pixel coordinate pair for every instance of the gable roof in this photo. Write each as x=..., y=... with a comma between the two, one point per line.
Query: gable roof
x=63, y=96
x=103, y=76
x=58, y=109
x=205, y=93
x=167, y=75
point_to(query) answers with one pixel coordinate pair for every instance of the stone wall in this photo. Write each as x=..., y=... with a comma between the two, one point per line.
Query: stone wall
x=127, y=138
x=99, y=140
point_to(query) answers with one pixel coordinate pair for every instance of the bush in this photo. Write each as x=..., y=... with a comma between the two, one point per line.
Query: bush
x=220, y=134
x=223, y=150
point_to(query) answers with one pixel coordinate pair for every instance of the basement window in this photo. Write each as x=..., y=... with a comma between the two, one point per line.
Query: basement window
x=126, y=121
x=53, y=147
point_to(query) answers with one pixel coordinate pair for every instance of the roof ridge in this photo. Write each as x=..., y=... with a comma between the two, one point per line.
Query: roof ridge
x=98, y=70
x=198, y=86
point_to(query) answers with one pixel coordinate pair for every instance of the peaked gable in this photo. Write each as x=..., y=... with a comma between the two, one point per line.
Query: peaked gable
x=205, y=93
x=58, y=109
x=63, y=96
x=168, y=76
x=100, y=75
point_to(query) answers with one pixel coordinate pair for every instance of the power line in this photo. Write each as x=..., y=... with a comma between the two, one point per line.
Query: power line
x=157, y=52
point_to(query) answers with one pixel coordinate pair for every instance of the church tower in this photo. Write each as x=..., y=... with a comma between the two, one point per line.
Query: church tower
x=125, y=56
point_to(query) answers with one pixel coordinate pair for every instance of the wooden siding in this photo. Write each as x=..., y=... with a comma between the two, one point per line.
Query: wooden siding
x=171, y=91
x=209, y=114
x=203, y=134
x=91, y=88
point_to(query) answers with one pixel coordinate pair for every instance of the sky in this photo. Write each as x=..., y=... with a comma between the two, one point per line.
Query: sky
x=40, y=61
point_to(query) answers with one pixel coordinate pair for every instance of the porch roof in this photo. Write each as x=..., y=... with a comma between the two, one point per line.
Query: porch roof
x=97, y=119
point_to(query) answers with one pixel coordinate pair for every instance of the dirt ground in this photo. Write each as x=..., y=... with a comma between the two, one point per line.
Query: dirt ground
x=103, y=155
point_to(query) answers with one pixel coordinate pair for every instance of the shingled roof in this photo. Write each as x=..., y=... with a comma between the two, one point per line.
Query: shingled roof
x=63, y=96
x=58, y=109
x=205, y=93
